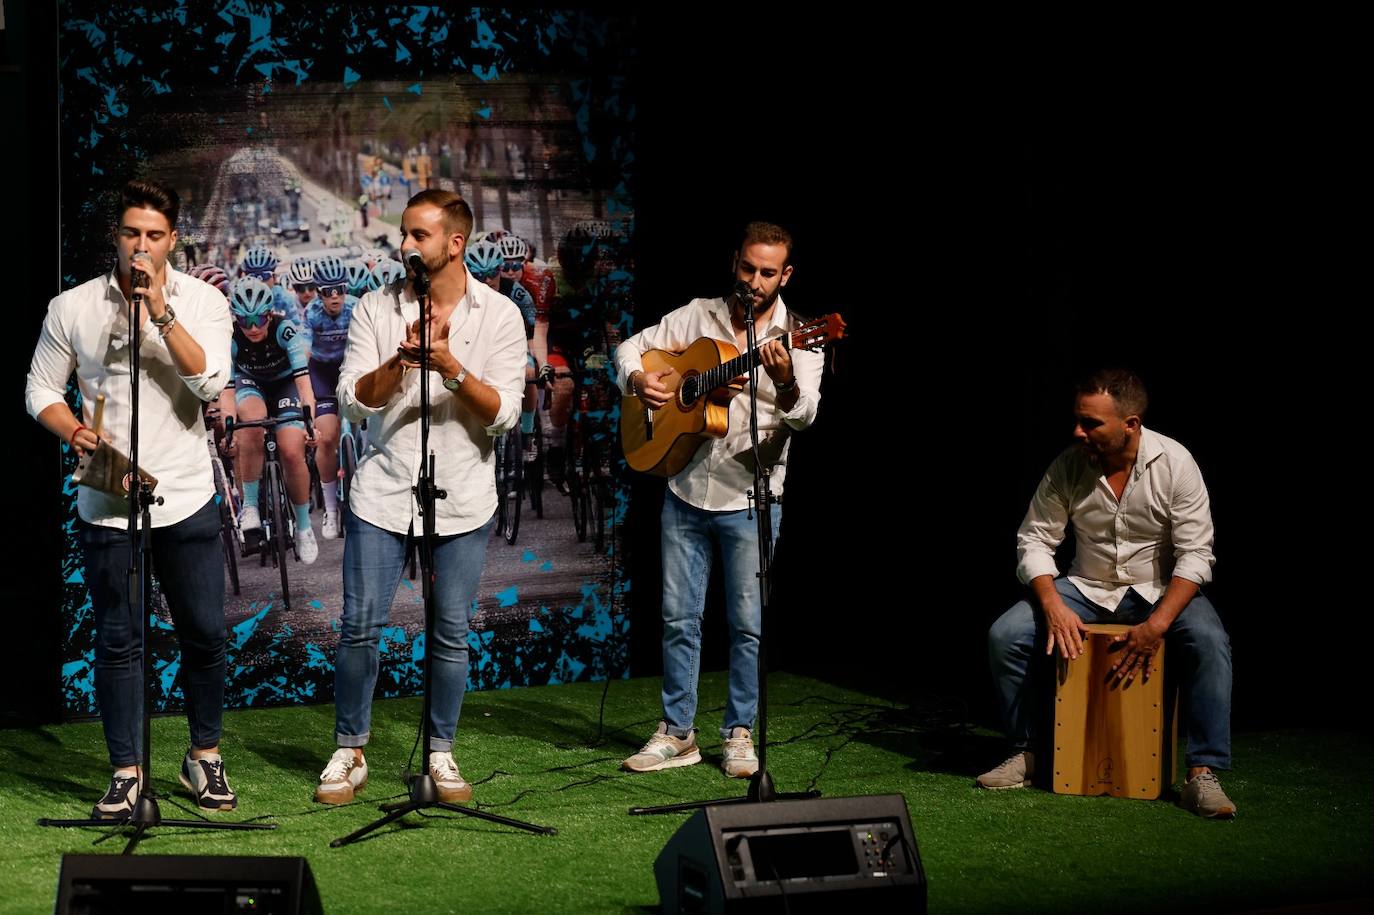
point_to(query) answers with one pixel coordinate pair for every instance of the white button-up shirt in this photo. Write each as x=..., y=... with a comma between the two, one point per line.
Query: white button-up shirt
x=487, y=336
x=722, y=471
x=1160, y=528
x=87, y=330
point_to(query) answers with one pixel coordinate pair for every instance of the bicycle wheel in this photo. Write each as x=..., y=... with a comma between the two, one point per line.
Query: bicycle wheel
x=577, y=492
x=499, y=465
x=598, y=511
x=226, y=529
x=276, y=495
x=511, y=491
x=534, y=472
x=348, y=465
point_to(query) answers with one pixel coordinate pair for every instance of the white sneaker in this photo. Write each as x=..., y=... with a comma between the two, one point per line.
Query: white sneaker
x=343, y=775
x=249, y=519
x=450, y=782
x=329, y=527
x=739, y=759
x=306, y=545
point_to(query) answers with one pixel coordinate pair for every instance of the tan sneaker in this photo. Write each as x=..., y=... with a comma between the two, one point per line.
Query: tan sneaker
x=344, y=775
x=453, y=788
x=663, y=751
x=1016, y=772
x=1202, y=795
x=740, y=760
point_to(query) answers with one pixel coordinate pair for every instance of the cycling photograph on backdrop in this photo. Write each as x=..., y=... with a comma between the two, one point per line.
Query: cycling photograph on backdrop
x=294, y=143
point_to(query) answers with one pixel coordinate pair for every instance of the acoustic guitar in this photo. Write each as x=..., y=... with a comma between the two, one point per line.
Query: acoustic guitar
x=703, y=377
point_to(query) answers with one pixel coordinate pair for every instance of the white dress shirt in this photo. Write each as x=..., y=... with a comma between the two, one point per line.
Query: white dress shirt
x=1160, y=528
x=487, y=336
x=722, y=470
x=87, y=330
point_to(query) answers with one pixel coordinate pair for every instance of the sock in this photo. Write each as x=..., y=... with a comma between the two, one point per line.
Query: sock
x=250, y=493
x=302, y=516
x=331, y=497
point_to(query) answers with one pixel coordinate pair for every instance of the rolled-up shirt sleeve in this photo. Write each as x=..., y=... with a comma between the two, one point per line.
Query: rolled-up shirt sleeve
x=1042, y=530
x=360, y=358
x=807, y=366
x=505, y=370
x=213, y=330
x=629, y=354
x=54, y=360
x=1190, y=516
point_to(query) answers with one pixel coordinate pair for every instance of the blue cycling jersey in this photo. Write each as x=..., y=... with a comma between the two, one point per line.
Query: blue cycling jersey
x=281, y=354
x=328, y=335
x=518, y=294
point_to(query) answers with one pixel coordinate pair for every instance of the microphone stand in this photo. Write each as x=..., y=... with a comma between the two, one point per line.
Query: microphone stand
x=422, y=791
x=145, y=813
x=761, y=787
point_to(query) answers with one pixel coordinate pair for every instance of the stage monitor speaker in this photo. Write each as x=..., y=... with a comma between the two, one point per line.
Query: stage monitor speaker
x=794, y=856
x=205, y=885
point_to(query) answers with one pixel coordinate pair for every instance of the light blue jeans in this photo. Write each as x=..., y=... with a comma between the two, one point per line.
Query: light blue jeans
x=689, y=536
x=1199, y=654
x=373, y=562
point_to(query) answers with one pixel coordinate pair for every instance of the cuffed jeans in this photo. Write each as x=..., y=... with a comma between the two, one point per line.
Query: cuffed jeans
x=1199, y=656
x=373, y=562
x=189, y=564
x=689, y=535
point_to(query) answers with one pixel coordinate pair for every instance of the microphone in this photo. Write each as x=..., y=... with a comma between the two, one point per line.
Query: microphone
x=743, y=291
x=419, y=273
x=138, y=277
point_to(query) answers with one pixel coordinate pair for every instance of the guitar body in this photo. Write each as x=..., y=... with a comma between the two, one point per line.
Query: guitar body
x=666, y=444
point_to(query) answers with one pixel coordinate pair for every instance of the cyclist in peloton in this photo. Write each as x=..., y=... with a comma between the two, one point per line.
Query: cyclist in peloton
x=270, y=379
x=261, y=263
x=326, y=329
x=302, y=279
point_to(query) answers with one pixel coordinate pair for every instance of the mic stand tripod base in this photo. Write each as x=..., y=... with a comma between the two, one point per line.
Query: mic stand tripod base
x=146, y=815
x=424, y=795
x=761, y=790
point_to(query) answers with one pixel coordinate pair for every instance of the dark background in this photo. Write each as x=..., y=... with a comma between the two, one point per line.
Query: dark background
x=993, y=215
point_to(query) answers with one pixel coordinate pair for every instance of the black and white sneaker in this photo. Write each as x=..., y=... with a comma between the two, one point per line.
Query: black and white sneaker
x=205, y=779
x=119, y=799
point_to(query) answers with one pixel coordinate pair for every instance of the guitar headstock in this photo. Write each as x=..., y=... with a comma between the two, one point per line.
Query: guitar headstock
x=817, y=333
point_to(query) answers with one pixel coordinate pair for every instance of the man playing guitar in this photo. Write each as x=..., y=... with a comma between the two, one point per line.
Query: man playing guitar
x=706, y=504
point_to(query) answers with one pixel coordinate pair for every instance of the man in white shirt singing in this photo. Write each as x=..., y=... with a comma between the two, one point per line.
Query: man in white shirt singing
x=477, y=359
x=1143, y=535
x=706, y=506
x=184, y=332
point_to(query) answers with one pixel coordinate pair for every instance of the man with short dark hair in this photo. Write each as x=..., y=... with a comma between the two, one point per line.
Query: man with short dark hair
x=184, y=327
x=706, y=506
x=1143, y=531
x=477, y=363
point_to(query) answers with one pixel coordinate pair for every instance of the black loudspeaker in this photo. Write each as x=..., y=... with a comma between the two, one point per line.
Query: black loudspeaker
x=181, y=884
x=794, y=856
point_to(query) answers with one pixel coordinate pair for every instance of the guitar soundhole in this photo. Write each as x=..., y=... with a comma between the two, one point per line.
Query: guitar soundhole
x=689, y=391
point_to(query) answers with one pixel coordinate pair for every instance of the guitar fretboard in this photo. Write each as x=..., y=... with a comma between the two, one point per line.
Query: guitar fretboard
x=726, y=372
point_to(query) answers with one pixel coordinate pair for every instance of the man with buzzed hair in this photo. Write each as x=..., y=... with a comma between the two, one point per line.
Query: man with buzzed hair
x=707, y=505
x=477, y=363
x=1143, y=531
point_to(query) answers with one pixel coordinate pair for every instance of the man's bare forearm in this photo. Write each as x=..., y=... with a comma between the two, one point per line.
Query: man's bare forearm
x=378, y=386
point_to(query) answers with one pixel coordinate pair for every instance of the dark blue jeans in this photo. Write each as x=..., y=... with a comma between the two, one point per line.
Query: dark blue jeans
x=189, y=564
x=1199, y=654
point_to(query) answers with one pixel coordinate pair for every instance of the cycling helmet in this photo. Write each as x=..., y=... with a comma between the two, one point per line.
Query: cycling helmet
x=212, y=275
x=358, y=277
x=330, y=271
x=484, y=258
x=258, y=262
x=388, y=273
x=513, y=247
x=251, y=301
x=372, y=257
x=302, y=272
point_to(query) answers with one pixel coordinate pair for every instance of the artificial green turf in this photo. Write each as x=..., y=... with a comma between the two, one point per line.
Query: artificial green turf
x=1303, y=833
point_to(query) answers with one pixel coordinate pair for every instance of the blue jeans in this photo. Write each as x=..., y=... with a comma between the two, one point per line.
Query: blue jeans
x=189, y=564
x=1199, y=654
x=689, y=534
x=372, y=566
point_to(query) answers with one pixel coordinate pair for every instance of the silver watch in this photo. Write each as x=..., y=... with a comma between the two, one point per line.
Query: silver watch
x=168, y=317
x=456, y=382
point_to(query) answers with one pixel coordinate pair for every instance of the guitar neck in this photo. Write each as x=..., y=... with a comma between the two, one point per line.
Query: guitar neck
x=726, y=372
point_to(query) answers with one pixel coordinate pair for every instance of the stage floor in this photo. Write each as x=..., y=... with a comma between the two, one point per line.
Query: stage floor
x=1304, y=834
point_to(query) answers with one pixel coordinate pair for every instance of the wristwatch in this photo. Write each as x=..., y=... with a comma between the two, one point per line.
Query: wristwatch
x=167, y=318
x=456, y=382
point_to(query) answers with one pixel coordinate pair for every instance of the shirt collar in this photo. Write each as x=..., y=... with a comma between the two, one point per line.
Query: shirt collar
x=776, y=321
x=1150, y=448
x=170, y=288
x=468, y=302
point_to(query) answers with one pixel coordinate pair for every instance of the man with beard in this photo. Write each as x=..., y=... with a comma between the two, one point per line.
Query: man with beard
x=707, y=506
x=477, y=362
x=1143, y=531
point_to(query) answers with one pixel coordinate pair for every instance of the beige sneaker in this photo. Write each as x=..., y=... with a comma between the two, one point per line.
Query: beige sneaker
x=740, y=760
x=1016, y=772
x=343, y=776
x=1202, y=795
x=663, y=751
x=453, y=788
